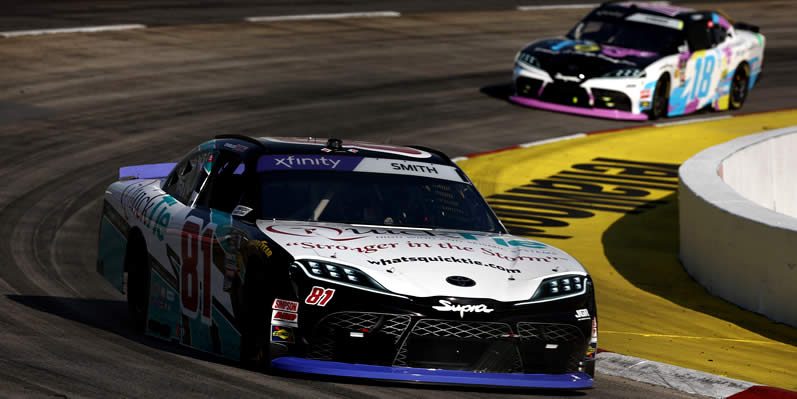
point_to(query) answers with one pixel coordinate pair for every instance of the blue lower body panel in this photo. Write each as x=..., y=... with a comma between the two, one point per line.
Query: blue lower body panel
x=409, y=374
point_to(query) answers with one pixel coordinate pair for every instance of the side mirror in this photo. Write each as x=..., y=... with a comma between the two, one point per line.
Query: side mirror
x=683, y=48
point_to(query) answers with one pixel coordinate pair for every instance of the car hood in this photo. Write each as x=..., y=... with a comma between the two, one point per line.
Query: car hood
x=417, y=262
x=573, y=57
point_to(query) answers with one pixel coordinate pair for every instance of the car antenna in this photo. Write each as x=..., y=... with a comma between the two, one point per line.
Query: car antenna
x=335, y=144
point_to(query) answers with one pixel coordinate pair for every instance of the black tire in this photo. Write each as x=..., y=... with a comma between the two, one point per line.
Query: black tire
x=661, y=99
x=739, y=86
x=255, y=326
x=138, y=280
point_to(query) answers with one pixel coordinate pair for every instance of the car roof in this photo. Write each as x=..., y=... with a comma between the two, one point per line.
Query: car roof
x=250, y=147
x=653, y=8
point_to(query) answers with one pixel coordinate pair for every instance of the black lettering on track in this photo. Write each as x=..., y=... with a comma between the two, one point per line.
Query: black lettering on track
x=603, y=185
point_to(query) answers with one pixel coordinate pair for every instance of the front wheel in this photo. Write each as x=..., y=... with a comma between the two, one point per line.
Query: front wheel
x=255, y=326
x=661, y=99
x=739, y=86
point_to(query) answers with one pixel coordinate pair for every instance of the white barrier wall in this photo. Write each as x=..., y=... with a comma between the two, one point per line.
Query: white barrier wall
x=730, y=243
x=766, y=173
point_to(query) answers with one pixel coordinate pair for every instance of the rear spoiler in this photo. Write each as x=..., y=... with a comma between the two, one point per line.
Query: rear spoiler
x=151, y=171
x=746, y=26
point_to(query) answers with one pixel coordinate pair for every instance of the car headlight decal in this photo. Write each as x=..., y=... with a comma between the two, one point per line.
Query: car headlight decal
x=560, y=286
x=528, y=60
x=626, y=73
x=346, y=275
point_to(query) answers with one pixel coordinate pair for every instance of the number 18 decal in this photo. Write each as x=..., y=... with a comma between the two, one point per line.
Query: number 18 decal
x=319, y=296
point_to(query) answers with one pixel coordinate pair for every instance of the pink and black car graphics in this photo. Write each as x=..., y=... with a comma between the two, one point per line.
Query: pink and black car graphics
x=345, y=259
x=639, y=61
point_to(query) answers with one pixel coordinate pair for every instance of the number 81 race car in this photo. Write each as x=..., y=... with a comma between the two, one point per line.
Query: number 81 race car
x=639, y=61
x=344, y=259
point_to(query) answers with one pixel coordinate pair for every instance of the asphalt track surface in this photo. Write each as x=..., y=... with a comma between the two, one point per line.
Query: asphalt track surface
x=76, y=107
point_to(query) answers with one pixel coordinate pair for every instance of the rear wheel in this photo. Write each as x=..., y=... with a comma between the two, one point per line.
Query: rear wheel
x=739, y=86
x=661, y=99
x=138, y=280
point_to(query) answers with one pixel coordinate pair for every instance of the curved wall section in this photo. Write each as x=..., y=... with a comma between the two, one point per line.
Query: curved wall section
x=737, y=248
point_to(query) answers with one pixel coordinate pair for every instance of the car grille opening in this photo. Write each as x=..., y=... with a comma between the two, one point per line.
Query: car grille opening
x=527, y=87
x=611, y=99
x=332, y=339
x=460, y=345
x=480, y=346
x=565, y=93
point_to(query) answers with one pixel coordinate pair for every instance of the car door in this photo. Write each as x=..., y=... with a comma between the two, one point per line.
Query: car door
x=177, y=285
x=201, y=252
x=699, y=68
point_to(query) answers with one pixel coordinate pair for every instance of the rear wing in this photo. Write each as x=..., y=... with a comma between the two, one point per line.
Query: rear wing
x=151, y=171
x=746, y=26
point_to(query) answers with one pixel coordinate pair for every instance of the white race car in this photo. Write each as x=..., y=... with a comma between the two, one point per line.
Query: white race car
x=345, y=259
x=640, y=61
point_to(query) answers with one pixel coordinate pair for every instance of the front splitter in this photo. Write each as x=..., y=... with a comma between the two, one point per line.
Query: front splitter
x=410, y=374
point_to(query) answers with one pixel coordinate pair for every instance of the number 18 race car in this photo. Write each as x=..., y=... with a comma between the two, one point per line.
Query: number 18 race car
x=343, y=259
x=640, y=61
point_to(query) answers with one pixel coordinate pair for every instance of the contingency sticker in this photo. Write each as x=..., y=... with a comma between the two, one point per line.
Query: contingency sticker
x=283, y=318
x=282, y=334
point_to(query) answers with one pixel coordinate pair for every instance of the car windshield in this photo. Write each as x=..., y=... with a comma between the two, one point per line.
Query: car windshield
x=374, y=199
x=633, y=35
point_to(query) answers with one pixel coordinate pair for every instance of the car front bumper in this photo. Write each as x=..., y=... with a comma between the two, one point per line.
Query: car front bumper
x=596, y=112
x=438, y=376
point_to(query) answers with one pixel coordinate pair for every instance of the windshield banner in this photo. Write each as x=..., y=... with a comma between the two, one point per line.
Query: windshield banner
x=357, y=164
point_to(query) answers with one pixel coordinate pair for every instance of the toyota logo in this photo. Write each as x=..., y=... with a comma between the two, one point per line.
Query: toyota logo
x=460, y=281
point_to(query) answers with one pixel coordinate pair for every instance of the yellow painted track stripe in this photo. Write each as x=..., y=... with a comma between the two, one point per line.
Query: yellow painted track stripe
x=610, y=200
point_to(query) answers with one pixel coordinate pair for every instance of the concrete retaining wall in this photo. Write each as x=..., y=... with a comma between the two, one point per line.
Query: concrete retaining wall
x=730, y=242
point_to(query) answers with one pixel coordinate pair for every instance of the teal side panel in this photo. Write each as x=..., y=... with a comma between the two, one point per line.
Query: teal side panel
x=164, y=308
x=111, y=254
x=200, y=334
x=229, y=337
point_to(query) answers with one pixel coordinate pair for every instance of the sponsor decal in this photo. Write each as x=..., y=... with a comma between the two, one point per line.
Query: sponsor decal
x=447, y=306
x=657, y=20
x=148, y=207
x=620, y=52
x=283, y=318
x=282, y=334
x=448, y=259
x=567, y=78
x=286, y=305
x=306, y=162
x=348, y=234
x=366, y=249
x=592, y=349
x=582, y=314
x=319, y=296
x=611, y=185
x=236, y=147
x=241, y=210
x=568, y=47
x=262, y=246
x=588, y=48
x=644, y=94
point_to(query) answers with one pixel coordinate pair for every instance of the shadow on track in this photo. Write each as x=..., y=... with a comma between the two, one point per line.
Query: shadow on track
x=111, y=316
x=499, y=91
x=643, y=248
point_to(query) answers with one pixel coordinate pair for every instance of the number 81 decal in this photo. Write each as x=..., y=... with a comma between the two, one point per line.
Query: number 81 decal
x=319, y=296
